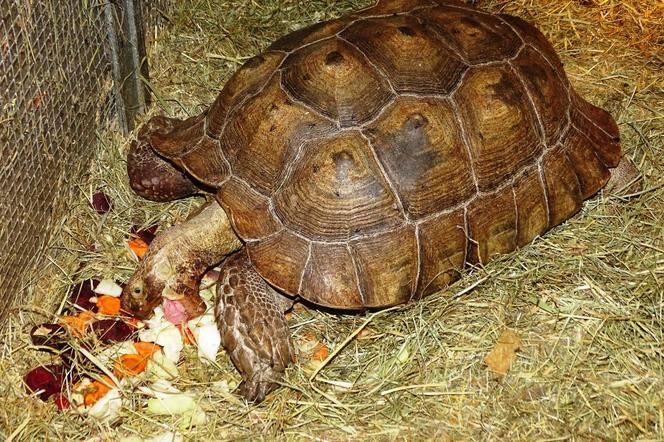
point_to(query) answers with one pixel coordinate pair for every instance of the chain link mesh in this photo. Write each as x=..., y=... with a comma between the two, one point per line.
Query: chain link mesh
x=54, y=88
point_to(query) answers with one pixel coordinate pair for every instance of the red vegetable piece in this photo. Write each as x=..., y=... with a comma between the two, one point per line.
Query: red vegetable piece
x=61, y=401
x=81, y=293
x=147, y=235
x=101, y=202
x=53, y=336
x=47, y=380
x=112, y=331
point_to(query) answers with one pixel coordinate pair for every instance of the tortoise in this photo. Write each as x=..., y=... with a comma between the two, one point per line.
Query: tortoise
x=364, y=162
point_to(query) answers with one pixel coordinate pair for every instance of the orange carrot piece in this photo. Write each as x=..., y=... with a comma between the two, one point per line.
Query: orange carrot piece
x=138, y=246
x=146, y=349
x=75, y=324
x=321, y=352
x=108, y=305
x=130, y=365
x=97, y=390
x=86, y=316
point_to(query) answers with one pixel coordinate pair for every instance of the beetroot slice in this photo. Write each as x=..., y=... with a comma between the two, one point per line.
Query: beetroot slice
x=147, y=235
x=81, y=293
x=101, y=202
x=47, y=379
x=61, y=401
x=112, y=331
x=52, y=336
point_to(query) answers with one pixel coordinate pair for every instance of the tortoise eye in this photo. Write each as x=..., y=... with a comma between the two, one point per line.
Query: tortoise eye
x=137, y=291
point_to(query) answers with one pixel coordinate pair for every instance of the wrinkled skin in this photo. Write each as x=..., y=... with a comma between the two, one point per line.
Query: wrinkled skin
x=176, y=261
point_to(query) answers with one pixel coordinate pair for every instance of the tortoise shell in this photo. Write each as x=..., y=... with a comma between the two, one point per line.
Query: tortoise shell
x=366, y=160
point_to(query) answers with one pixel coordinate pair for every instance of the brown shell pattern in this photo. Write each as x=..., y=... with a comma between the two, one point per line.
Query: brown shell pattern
x=366, y=160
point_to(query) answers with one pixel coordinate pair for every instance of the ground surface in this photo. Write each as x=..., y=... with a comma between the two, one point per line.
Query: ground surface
x=586, y=300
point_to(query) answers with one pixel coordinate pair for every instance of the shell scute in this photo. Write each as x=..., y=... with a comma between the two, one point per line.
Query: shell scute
x=337, y=191
x=245, y=82
x=320, y=77
x=420, y=146
x=477, y=37
x=408, y=54
x=502, y=132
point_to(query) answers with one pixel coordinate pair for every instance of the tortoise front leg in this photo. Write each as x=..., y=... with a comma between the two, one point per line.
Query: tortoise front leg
x=254, y=331
x=176, y=261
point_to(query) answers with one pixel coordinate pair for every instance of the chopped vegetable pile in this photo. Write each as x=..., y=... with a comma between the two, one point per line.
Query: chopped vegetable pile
x=103, y=353
x=102, y=350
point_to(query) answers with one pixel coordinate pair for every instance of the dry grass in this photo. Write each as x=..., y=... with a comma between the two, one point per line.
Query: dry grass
x=587, y=299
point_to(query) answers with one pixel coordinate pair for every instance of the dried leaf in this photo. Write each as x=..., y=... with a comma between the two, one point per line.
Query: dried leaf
x=146, y=235
x=111, y=331
x=101, y=202
x=61, y=401
x=45, y=380
x=50, y=336
x=503, y=353
x=81, y=293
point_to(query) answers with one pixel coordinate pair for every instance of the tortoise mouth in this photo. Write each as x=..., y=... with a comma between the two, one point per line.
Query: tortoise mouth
x=141, y=309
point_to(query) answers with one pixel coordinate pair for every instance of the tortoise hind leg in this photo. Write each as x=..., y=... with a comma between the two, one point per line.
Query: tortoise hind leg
x=254, y=332
x=625, y=178
x=151, y=176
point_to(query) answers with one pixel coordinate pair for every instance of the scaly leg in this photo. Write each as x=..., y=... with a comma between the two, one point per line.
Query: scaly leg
x=625, y=178
x=254, y=332
x=176, y=261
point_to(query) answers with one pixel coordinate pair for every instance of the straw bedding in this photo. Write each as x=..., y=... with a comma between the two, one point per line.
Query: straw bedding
x=586, y=300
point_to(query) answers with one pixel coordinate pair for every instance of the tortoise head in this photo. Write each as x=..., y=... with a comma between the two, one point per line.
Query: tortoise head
x=141, y=294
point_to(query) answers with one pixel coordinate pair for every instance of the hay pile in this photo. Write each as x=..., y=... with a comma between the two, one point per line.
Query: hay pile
x=586, y=301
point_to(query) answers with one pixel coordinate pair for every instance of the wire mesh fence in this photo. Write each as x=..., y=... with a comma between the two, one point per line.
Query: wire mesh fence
x=55, y=92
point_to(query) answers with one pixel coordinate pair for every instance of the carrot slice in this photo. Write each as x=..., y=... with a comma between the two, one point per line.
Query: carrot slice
x=108, y=305
x=97, y=390
x=146, y=349
x=75, y=324
x=130, y=365
x=320, y=352
x=138, y=246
